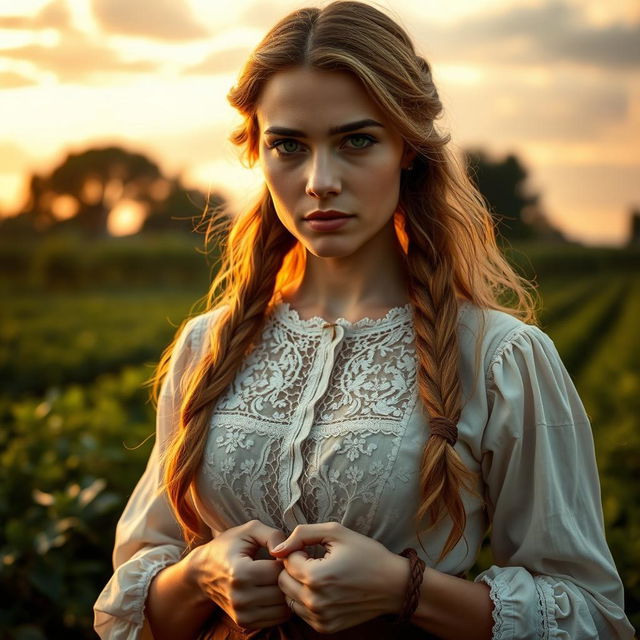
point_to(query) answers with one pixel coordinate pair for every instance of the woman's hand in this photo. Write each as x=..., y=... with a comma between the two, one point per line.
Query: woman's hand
x=358, y=578
x=247, y=589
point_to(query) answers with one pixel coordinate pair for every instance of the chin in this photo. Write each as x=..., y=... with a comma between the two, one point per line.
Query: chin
x=329, y=249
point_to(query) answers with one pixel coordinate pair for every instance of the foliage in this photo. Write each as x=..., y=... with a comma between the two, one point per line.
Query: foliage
x=73, y=429
x=62, y=262
x=68, y=462
x=102, y=332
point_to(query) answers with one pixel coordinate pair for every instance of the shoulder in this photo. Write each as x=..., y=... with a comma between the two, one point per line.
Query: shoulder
x=496, y=333
x=197, y=327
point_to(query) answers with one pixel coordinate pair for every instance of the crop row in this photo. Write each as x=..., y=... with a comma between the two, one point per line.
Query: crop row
x=53, y=340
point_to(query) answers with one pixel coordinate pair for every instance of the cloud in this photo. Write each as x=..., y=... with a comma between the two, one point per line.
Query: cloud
x=191, y=146
x=161, y=19
x=566, y=107
x=227, y=61
x=53, y=15
x=11, y=80
x=592, y=185
x=264, y=15
x=76, y=58
x=534, y=34
x=13, y=157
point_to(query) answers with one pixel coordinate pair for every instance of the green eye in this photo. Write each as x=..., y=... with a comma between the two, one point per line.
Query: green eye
x=360, y=141
x=284, y=148
x=363, y=140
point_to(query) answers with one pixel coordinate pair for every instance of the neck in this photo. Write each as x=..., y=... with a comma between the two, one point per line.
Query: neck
x=369, y=281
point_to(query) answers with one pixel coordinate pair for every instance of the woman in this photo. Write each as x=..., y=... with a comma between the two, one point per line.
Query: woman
x=357, y=389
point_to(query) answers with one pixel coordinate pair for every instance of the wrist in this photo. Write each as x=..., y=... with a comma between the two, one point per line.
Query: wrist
x=395, y=584
x=193, y=574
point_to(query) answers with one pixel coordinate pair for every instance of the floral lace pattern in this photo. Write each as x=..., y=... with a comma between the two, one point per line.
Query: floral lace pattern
x=322, y=423
x=336, y=406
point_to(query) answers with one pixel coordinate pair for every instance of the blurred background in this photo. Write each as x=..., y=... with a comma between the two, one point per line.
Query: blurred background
x=114, y=140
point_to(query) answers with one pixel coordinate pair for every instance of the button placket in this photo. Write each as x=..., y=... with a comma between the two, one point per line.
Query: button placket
x=292, y=514
x=333, y=326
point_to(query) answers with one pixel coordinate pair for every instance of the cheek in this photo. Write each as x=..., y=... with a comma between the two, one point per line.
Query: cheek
x=280, y=183
x=380, y=185
x=282, y=191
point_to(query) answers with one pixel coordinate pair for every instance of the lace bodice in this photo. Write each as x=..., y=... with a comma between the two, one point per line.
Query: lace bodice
x=322, y=422
x=311, y=428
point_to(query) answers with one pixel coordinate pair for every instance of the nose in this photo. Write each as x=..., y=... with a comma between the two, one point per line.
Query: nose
x=323, y=178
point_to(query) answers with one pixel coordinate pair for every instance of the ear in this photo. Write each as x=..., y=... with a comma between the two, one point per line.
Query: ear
x=408, y=156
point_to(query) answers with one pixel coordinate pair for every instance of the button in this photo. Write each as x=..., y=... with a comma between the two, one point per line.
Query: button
x=333, y=326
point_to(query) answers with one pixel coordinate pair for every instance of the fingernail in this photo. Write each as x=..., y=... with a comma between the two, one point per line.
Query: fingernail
x=279, y=547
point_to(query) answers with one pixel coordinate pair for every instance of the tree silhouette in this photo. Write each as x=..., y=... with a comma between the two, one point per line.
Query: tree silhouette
x=182, y=208
x=517, y=213
x=634, y=230
x=95, y=180
x=81, y=192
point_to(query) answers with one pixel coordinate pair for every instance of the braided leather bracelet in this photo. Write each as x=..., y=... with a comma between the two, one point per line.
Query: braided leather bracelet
x=412, y=595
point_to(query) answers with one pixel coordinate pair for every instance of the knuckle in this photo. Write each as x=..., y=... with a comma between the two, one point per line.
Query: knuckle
x=244, y=619
x=323, y=626
x=239, y=601
x=319, y=579
x=236, y=578
x=314, y=604
x=325, y=581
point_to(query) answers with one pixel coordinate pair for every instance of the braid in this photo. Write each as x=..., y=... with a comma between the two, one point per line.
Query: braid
x=433, y=296
x=264, y=246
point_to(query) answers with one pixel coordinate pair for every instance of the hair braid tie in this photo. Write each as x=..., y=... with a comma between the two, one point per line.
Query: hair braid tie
x=444, y=427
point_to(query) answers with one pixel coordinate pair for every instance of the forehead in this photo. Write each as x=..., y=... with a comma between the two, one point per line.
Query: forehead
x=312, y=100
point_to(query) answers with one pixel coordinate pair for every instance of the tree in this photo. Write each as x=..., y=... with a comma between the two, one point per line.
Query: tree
x=91, y=182
x=634, y=230
x=181, y=209
x=84, y=189
x=517, y=213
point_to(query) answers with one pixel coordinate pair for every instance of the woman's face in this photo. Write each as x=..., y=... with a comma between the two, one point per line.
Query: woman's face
x=310, y=167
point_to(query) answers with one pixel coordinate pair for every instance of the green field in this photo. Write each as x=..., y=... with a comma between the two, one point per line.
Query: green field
x=75, y=420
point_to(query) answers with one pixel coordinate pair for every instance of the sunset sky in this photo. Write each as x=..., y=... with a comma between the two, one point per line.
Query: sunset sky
x=556, y=82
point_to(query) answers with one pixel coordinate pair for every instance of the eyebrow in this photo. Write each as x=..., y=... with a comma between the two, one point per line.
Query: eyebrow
x=343, y=128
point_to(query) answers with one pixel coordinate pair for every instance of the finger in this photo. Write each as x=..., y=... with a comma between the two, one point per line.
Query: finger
x=270, y=596
x=269, y=617
x=259, y=617
x=297, y=565
x=308, y=534
x=275, y=538
x=290, y=587
x=264, y=572
x=255, y=534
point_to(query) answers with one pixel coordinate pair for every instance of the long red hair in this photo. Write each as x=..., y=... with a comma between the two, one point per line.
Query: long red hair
x=443, y=225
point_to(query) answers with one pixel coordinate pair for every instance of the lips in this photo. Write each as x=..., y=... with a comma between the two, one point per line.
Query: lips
x=327, y=215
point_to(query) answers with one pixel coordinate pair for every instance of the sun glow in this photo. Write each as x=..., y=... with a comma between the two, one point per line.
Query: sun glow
x=126, y=217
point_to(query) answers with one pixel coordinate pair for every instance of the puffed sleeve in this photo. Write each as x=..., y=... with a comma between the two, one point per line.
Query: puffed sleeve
x=554, y=576
x=148, y=536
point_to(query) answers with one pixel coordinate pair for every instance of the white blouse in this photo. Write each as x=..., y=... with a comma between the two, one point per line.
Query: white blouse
x=323, y=423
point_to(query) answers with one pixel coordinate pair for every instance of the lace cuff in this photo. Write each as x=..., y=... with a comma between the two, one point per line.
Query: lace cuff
x=512, y=590
x=119, y=609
